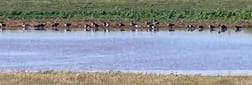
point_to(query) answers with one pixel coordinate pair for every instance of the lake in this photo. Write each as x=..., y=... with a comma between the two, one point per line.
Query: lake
x=158, y=52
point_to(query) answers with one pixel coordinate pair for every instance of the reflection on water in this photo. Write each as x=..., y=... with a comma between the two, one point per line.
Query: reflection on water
x=126, y=51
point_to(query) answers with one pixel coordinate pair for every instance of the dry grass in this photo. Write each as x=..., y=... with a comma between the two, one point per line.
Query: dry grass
x=116, y=78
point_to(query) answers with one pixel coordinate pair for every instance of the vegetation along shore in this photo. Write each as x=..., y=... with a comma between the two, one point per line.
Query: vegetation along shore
x=229, y=12
x=116, y=78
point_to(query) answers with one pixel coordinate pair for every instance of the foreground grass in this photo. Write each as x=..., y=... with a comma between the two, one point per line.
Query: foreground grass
x=127, y=10
x=116, y=78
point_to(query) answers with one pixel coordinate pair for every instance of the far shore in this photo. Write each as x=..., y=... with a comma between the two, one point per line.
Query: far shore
x=13, y=24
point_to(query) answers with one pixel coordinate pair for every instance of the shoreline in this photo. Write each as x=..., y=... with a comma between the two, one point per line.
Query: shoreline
x=14, y=24
x=156, y=72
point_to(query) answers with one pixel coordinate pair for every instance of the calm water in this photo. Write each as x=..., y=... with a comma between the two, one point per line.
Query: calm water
x=182, y=52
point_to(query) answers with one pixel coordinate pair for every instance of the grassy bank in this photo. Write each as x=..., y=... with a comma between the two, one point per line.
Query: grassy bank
x=116, y=78
x=128, y=10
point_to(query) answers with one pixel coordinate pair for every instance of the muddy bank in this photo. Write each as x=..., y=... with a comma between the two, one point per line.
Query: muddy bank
x=15, y=24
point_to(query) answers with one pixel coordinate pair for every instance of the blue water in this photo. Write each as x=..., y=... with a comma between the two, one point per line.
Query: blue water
x=192, y=52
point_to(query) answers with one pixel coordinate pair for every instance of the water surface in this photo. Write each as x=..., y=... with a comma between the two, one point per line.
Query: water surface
x=191, y=52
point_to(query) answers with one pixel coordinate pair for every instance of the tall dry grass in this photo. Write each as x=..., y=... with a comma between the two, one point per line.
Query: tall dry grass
x=116, y=78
